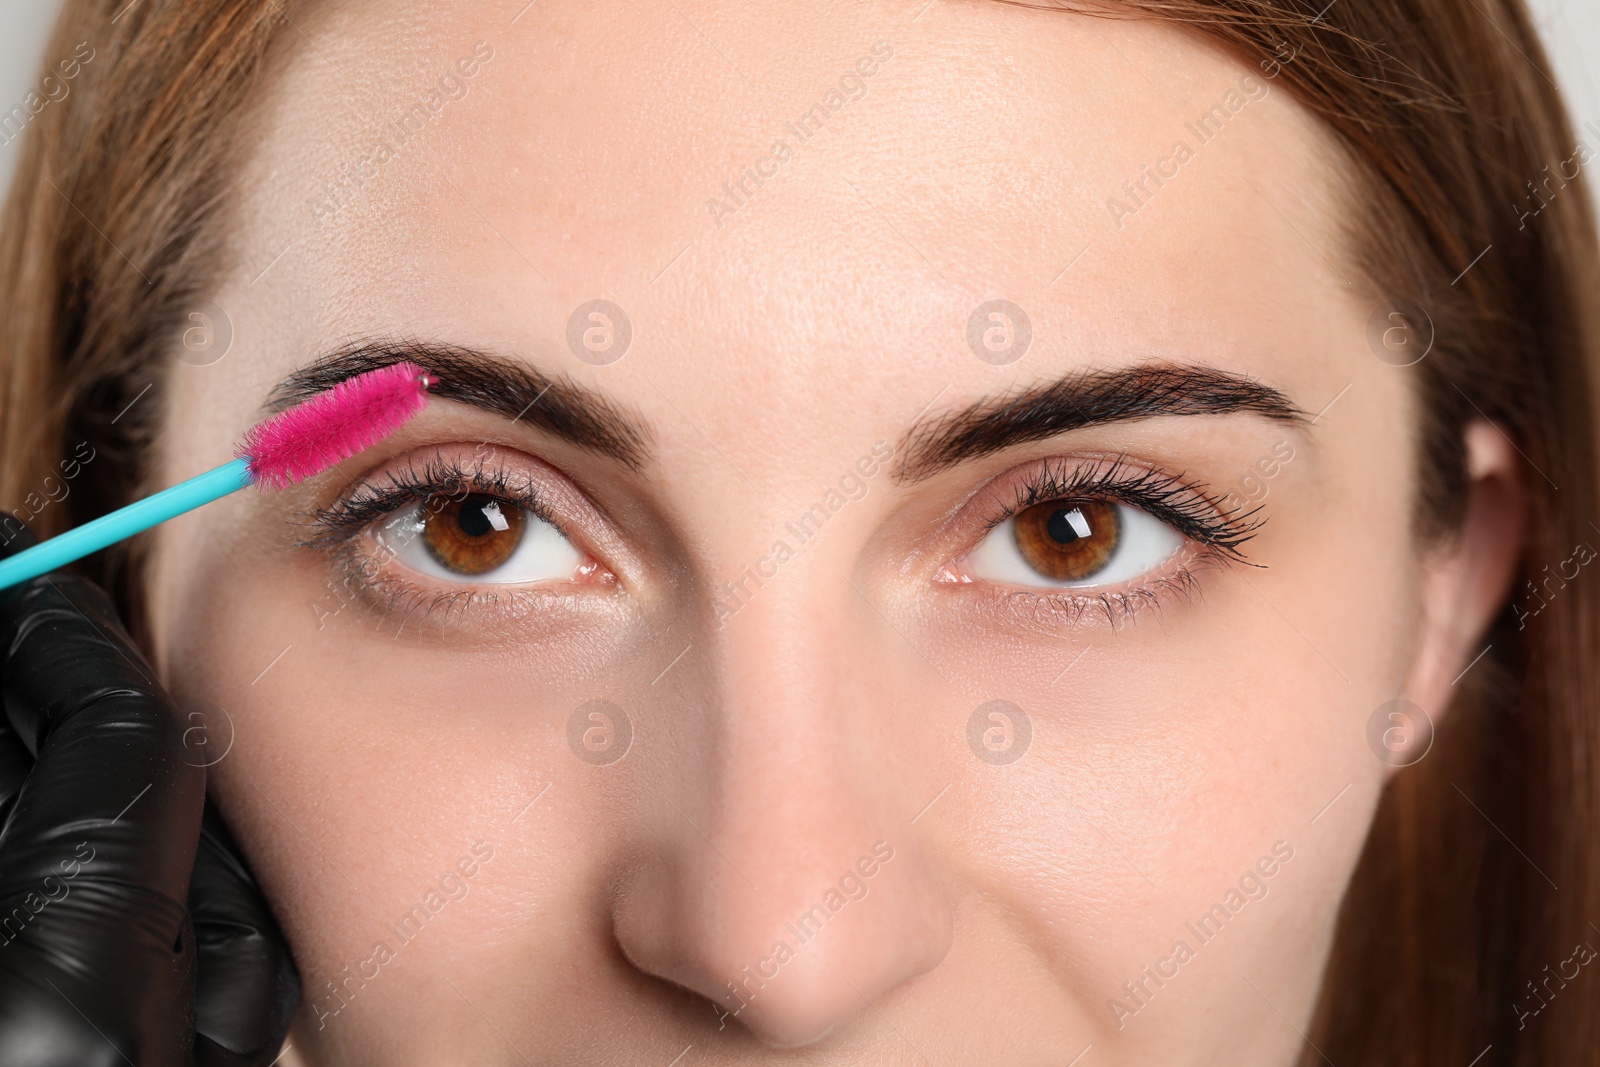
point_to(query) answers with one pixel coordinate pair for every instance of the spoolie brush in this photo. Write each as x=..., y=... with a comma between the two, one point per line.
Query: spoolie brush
x=290, y=447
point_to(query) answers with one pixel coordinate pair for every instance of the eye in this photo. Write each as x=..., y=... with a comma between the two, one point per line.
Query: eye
x=480, y=537
x=1070, y=543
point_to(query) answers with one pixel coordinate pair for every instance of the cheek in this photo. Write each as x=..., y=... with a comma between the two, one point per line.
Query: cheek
x=1173, y=754
x=365, y=767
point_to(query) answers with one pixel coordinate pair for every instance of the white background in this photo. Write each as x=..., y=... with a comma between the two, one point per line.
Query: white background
x=1571, y=31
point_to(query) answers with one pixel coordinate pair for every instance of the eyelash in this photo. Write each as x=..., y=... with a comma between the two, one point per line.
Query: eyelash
x=436, y=478
x=1184, y=505
x=343, y=521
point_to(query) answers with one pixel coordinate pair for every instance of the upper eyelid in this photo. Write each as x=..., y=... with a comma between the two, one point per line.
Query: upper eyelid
x=372, y=500
x=1090, y=473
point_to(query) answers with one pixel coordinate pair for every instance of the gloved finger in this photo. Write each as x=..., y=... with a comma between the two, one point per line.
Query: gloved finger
x=15, y=762
x=39, y=1027
x=96, y=854
x=246, y=986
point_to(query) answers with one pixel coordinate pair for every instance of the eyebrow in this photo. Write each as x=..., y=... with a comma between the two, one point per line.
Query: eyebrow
x=1089, y=398
x=574, y=413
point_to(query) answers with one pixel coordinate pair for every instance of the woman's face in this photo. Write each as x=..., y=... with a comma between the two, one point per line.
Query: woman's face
x=932, y=610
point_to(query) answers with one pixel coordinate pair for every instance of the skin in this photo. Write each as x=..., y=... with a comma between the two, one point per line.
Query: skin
x=1170, y=751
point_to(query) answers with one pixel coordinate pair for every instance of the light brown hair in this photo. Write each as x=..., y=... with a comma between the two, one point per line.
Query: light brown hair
x=1482, y=867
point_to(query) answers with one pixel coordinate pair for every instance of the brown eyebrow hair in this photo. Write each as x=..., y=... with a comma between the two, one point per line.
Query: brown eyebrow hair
x=508, y=387
x=1088, y=398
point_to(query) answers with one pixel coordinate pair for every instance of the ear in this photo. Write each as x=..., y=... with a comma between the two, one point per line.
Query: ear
x=1468, y=576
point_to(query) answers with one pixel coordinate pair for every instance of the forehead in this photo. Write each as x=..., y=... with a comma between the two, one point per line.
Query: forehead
x=786, y=201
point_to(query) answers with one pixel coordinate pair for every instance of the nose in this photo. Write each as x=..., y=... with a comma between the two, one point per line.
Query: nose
x=789, y=888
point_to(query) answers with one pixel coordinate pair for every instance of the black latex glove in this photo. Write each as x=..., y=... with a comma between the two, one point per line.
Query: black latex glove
x=99, y=956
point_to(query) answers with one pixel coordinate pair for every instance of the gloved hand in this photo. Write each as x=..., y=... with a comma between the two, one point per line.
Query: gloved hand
x=101, y=963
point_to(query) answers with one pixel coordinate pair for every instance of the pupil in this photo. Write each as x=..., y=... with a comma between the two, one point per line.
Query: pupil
x=1066, y=525
x=471, y=517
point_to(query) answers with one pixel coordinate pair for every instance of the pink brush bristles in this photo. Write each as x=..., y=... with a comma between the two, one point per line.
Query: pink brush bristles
x=333, y=426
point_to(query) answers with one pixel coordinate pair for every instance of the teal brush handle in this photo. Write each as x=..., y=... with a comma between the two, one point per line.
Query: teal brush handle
x=125, y=522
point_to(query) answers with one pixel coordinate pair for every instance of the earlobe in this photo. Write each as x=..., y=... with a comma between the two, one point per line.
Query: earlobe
x=1468, y=576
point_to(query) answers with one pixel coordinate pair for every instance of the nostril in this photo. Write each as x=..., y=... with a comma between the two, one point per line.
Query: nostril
x=801, y=1018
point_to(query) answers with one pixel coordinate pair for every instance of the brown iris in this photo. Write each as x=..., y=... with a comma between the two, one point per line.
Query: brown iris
x=1068, y=540
x=473, y=534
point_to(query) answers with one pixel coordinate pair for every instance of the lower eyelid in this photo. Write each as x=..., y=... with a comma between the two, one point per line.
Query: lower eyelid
x=1051, y=610
x=366, y=583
